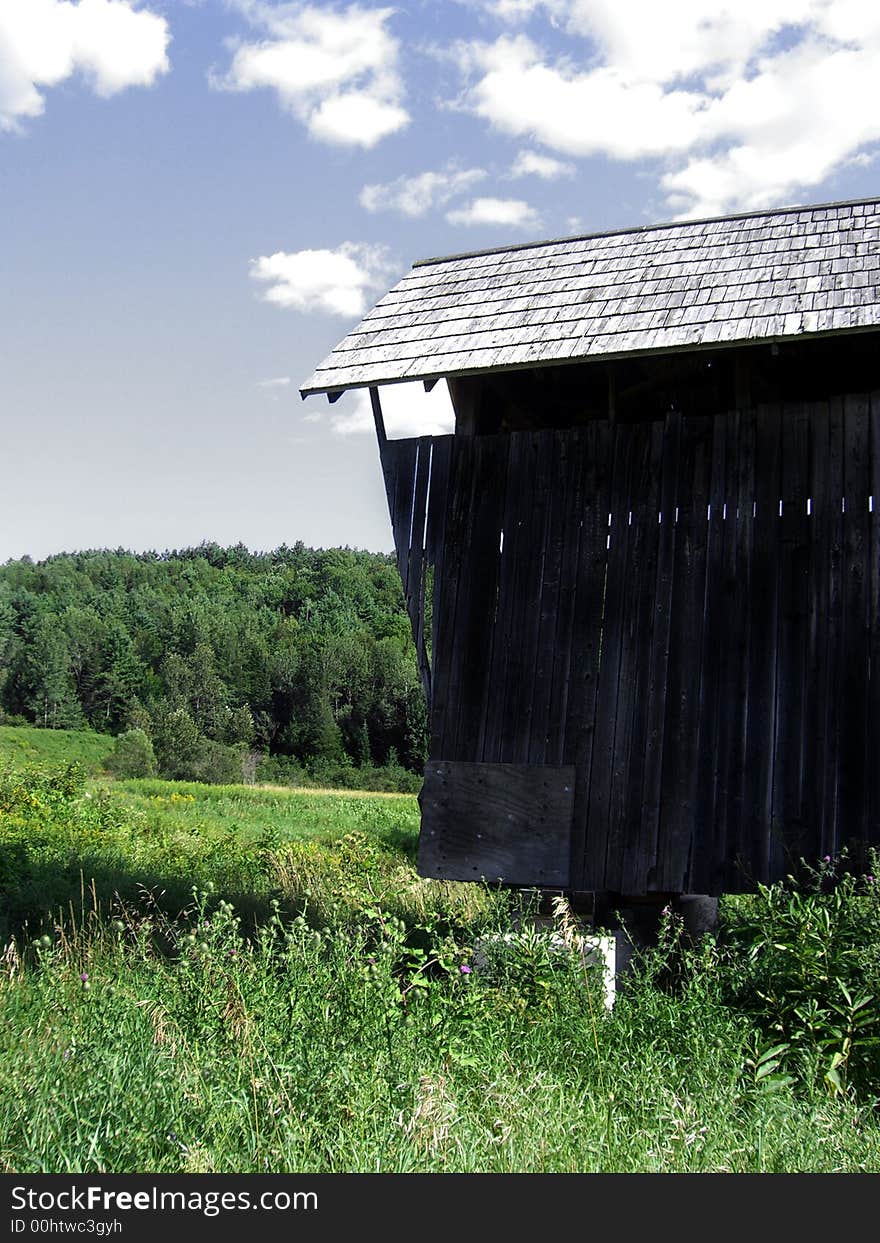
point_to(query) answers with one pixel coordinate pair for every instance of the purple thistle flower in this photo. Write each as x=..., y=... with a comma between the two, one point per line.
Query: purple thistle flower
x=464, y=969
x=84, y=976
x=826, y=859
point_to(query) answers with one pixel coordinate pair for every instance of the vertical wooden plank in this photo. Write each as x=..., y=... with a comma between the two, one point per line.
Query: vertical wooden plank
x=710, y=805
x=502, y=739
x=872, y=734
x=635, y=856
x=631, y=537
x=506, y=611
x=414, y=579
x=522, y=577
x=456, y=529
x=572, y=465
x=854, y=718
x=681, y=755
x=456, y=561
x=562, y=457
x=753, y=849
x=405, y=467
x=659, y=651
x=599, y=828
x=789, y=836
x=736, y=684
x=441, y=460
x=535, y=531
x=830, y=515
x=399, y=459
x=435, y=533
x=817, y=685
x=586, y=641
x=477, y=595
x=389, y=455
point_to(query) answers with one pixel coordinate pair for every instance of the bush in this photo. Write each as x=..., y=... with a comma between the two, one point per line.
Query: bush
x=388, y=779
x=802, y=961
x=133, y=755
x=213, y=763
x=280, y=770
x=285, y=770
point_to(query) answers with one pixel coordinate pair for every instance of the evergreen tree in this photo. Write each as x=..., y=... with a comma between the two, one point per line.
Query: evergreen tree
x=297, y=652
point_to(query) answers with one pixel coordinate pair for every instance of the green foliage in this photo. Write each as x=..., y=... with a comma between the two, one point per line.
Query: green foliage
x=228, y=978
x=804, y=961
x=301, y=654
x=184, y=753
x=132, y=755
x=215, y=763
x=340, y=1047
x=280, y=770
x=58, y=835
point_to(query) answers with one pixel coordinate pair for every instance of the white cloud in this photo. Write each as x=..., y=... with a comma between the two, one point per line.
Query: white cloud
x=533, y=164
x=334, y=281
x=513, y=10
x=747, y=104
x=356, y=117
x=334, y=69
x=513, y=212
x=111, y=42
x=407, y=410
x=578, y=113
x=802, y=115
x=415, y=195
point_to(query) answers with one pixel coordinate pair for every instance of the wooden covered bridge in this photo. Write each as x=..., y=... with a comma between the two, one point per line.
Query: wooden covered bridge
x=643, y=575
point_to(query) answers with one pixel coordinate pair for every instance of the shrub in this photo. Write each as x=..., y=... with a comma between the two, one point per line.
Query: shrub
x=280, y=770
x=285, y=770
x=802, y=960
x=213, y=763
x=133, y=755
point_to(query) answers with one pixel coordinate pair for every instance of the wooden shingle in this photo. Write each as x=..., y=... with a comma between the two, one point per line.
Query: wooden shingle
x=746, y=278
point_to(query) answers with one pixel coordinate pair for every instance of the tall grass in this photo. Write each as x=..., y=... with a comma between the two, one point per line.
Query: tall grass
x=313, y=1005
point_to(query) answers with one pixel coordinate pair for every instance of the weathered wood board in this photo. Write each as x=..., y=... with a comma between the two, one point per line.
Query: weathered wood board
x=683, y=613
x=497, y=822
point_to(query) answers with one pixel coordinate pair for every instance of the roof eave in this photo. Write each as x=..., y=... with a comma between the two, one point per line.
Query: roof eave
x=331, y=390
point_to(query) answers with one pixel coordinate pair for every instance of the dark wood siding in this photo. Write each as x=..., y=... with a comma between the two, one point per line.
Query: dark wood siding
x=683, y=613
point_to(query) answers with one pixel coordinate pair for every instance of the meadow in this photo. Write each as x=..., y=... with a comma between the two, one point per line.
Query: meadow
x=207, y=978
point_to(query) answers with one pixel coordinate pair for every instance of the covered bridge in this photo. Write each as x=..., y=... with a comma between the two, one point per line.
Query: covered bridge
x=643, y=575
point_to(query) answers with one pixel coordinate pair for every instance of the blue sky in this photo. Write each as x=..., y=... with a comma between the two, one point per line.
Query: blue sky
x=198, y=198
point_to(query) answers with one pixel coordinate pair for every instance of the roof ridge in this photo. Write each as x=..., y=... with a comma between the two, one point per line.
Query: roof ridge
x=646, y=228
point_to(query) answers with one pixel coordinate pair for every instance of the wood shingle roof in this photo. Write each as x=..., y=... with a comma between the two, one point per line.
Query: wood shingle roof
x=728, y=280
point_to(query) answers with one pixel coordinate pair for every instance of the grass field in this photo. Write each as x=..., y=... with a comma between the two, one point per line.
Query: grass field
x=234, y=979
x=23, y=744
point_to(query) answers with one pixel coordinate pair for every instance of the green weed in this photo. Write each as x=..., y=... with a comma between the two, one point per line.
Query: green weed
x=229, y=979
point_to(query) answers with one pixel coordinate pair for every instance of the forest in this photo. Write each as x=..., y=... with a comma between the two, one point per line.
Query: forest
x=215, y=664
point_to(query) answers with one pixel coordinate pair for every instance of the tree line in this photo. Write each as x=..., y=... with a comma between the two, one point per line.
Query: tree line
x=299, y=660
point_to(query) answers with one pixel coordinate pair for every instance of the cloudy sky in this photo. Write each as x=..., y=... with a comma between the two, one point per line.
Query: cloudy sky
x=198, y=198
